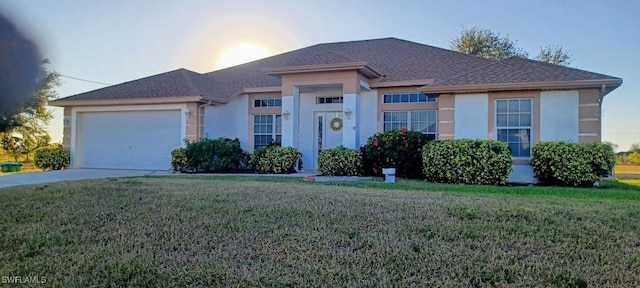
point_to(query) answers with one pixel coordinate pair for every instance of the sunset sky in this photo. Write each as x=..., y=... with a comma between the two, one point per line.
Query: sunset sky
x=116, y=41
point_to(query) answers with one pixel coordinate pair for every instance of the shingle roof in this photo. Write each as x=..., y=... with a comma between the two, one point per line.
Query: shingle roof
x=396, y=59
x=519, y=70
x=181, y=82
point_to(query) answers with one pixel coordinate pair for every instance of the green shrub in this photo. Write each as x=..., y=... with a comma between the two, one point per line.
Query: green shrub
x=54, y=157
x=634, y=158
x=398, y=148
x=571, y=164
x=479, y=162
x=274, y=159
x=340, y=161
x=212, y=155
x=179, y=159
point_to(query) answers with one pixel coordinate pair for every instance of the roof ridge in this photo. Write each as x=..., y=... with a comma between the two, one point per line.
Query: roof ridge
x=190, y=82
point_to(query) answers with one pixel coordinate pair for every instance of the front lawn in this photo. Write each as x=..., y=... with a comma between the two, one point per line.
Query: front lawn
x=217, y=231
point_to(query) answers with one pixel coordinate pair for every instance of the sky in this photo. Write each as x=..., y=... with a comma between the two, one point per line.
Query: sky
x=114, y=41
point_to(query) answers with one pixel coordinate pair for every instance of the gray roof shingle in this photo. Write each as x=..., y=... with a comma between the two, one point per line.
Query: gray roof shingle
x=396, y=59
x=520, y=70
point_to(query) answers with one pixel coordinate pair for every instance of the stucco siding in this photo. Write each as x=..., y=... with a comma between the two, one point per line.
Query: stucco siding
x=230, y=120
x=368, y=114
x=471, y=116
x=559, y=116
x=522, y=174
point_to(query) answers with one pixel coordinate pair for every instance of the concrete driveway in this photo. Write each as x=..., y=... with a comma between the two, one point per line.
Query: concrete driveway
x=71, y=175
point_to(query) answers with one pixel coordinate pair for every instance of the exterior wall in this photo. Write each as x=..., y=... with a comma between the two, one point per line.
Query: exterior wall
x=350, y=133
x=349, y=80
x=382, y=107
x=446, y=116
x=193, y=125
x=229, y=120
x=66, y=128
x=589, y=113
x=559, y=116
x=307, y=134
x=535, y=95
x=522, y=171
x=471, y=120
x=368, y=116
x=259, y=110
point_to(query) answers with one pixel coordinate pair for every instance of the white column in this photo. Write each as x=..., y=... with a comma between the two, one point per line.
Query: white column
x=350, y=130
x=290, y=126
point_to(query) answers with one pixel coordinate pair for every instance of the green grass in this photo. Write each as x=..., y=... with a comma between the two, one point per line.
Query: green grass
x=282, y=232
x=624, y=190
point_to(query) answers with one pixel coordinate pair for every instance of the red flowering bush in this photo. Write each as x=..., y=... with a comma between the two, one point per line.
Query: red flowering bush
x=400, y=149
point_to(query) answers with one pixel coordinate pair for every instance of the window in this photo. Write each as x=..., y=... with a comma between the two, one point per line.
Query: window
x=421, y=121
x=267, y=102
x=267, y=129
x=513, y=125
x=328, y=100
x=409, y=98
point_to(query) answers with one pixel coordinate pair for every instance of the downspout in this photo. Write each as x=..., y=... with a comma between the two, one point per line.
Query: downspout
x=198, y=124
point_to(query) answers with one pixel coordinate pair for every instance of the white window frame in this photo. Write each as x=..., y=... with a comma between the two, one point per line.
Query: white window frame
x=322, y=100
x=530, y=127
x=408, y=95
x=274, y=129
x=267, y=101
x=409, y=128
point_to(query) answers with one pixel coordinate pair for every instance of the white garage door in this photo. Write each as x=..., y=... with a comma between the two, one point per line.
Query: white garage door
x=128, y=140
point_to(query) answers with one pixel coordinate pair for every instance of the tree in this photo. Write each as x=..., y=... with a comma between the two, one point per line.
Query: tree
x=11, y=144
x=554, y=54
x=488, y=44
x=635, y=148
x=634, y=158
x=28, y=129
x=613, y=145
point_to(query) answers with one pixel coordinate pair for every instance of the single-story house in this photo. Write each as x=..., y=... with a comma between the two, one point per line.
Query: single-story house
x=334, y=94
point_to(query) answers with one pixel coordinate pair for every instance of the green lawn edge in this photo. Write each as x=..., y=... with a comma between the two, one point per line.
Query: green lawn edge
x=610, y=190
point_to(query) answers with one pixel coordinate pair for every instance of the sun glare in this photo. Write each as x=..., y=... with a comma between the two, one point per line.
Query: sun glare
x=241, y=53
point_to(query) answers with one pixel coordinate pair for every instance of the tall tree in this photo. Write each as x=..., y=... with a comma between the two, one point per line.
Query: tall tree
x=555, y=54
x=486, y=43
x=635, y=148
x=28, y=129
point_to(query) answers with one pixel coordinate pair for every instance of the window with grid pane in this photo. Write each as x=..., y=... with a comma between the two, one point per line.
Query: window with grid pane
x=513, y=125
x=267, y=102
x=266, y=129
x=421, y=121
x=409, y=98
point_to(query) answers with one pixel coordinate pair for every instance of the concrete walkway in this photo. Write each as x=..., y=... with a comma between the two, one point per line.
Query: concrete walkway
x=71, y=175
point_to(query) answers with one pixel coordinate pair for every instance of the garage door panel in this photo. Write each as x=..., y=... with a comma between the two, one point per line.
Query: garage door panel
x=129, y=140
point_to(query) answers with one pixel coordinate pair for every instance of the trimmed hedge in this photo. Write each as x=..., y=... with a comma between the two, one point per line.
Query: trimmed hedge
x=479, y=162
x=340, y=161
x=571, y=164
x=401, y=149
x=275, y=159
x=54, y=157
x=179, y=159
x=209, y=155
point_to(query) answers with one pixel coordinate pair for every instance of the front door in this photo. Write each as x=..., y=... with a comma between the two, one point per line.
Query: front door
x=328, y=132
